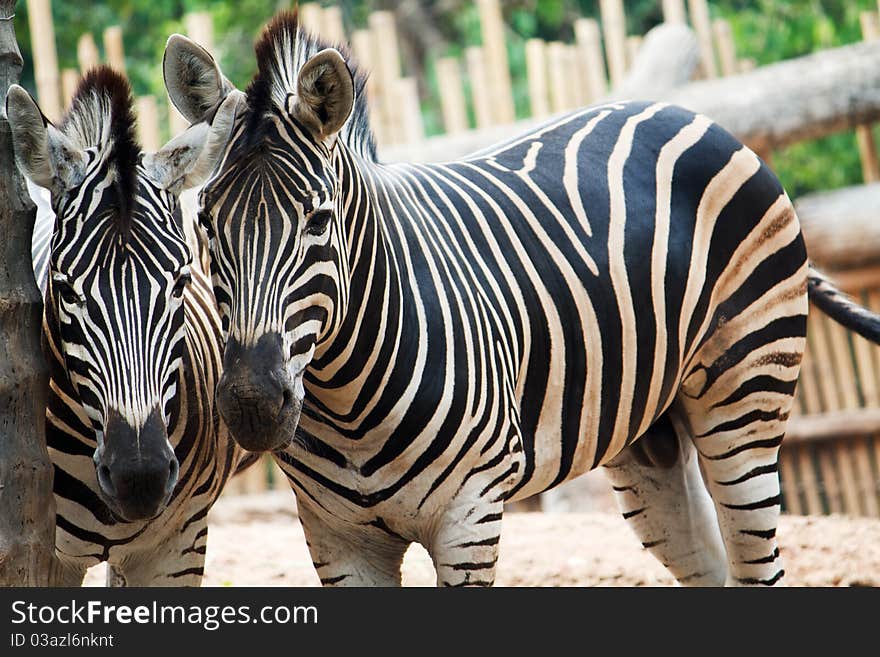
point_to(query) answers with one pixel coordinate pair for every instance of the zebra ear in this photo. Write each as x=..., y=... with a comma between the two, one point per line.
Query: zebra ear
x=43, y=153
x=193, y=79
x=189, y=159
x=325, y=94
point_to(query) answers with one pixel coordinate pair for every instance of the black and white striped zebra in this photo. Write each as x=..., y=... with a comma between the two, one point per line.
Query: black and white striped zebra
x=625, y=286
x=132, y=337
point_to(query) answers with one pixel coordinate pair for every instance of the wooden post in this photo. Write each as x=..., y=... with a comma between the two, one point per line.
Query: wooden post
x=48, y=78
x=699, y=10
x=27, y=505
x=200, y=28
x=148, y=123
x=536, y=70
x=673, y=12
x=482, y=96
x=726, y=47
x=407, y=93
x=614, y=30
x=69, y=83
x=362, y=46
x=495, y=49
x=311, y=17
x=864, y=134
x=387, y=69
x=451, y=95
x=561, y=97
x=633, y=45
x=333, y=29
x=113, y=48
x=87, y=53
x=746, y=65
x=589, y=42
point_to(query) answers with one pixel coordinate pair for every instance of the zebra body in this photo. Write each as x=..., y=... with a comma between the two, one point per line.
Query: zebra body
x=124, y=353
x=470, y=333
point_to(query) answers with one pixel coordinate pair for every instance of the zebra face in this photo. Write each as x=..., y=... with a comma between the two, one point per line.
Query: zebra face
x=118, y=272
x=273, y=219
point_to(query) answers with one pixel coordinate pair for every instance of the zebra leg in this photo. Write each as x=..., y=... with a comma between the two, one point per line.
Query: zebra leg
x=661, y=493
x=464, y=545
x=737, y=421
x=352, y=555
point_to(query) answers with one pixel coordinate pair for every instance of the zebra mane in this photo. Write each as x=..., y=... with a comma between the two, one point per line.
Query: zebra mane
x=282, y=50
x=101, y=116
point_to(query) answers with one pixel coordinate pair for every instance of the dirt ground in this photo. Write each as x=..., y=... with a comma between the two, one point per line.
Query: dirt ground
x=256, y=540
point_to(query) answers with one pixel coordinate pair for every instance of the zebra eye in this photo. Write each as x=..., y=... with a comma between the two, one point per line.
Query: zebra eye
x=180, y=285
x=318, y=222
x=68, y=294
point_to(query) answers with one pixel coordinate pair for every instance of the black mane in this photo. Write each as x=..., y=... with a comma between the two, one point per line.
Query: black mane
x=283, y=35
x=105, y=95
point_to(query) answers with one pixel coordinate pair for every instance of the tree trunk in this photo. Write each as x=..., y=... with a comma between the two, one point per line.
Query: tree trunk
x=841, y=227
x=27, y=507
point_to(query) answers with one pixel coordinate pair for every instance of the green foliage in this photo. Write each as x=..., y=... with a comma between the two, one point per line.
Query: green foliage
x=765, y=30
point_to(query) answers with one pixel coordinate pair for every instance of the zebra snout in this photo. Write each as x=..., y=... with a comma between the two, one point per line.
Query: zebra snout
x=257, y=398
x=136, y=468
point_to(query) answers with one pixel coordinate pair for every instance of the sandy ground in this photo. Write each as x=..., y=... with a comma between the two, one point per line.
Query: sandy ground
x=256, y=540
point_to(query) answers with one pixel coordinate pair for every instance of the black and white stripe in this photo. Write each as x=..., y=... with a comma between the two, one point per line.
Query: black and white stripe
x=479, y=331
x=132, y=335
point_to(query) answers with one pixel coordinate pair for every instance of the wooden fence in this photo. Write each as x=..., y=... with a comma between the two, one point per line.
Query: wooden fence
x=831, y=457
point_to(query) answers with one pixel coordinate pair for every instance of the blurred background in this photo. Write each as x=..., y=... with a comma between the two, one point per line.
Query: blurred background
x=763, y=31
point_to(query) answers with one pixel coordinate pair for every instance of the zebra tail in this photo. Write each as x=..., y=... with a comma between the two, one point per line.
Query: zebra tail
x=841, y=308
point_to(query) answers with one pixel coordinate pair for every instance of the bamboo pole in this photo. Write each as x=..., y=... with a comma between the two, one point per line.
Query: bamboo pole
x=477, y=72
x=864, y=135
x=560, y=84
x=699, y=10
x=673, y=12
x=497, y=65
x=114, y=50
x=362, y=46
x=614, y=30
x=311, y=17
x=69, y=83
x=148, y=123
x=45, y=57
x=200, y=28
x=633, y=45
x=536, y=70
x=452, y=99
x=386, y=57
x=589, y=42
x=333, y=29
x=87, y=53
x=726, y=47
x=407, y=92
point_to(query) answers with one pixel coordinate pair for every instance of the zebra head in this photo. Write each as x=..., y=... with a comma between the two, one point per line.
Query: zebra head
x=119, y=266
x=273, y=216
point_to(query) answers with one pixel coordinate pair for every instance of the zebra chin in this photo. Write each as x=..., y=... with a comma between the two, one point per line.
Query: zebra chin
x=136, y=468
x=258, y=398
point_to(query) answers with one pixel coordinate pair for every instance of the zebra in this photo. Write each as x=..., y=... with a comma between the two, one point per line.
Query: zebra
x=625, y=286
x=132, y=338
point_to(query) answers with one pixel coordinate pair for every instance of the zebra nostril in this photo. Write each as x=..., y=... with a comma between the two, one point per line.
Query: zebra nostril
x=286, y=402
x=105, y=480
x=173, y=472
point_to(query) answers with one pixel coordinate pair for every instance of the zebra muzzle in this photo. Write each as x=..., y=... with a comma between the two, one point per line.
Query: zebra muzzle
x=136, y=468
x=258, y=399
